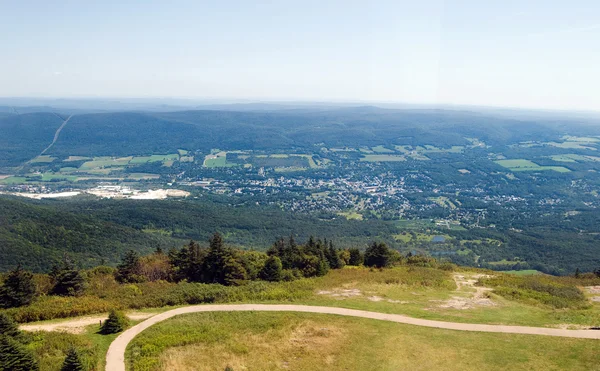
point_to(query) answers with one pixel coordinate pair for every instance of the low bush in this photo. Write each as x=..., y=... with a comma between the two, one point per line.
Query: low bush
x=548, y=291
x=115, y=323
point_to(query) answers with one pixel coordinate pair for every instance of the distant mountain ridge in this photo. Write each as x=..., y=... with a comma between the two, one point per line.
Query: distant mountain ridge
x=131, y=133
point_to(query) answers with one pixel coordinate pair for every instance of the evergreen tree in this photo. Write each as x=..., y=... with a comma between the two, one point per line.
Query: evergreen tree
x=18, y=289
x=69, y=283
x=14, y=356
x=68, y=280
x=378, y=255
x=72, y=361
x=8, y=326
x=333, y=257
x=233, y=271
x=577, y=273
x=128, y=271
x=356, y=257
x=221, y=265
x=115, y=323
x=272, y=269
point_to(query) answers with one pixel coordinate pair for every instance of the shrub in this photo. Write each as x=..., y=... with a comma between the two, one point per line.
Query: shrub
x=115, y=323
x=288, y=275
x=541, y=290
x=51, y=349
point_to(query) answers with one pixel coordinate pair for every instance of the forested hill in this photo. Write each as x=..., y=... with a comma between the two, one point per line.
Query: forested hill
x=24, y=136
x=37, y=236
x=130, y=133
x=34, y=233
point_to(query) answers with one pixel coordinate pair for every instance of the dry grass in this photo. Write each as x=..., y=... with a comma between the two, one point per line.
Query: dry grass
x=294, y=341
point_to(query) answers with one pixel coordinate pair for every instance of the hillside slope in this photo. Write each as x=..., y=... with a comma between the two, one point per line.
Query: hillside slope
x=130, y=133
x=25, y=136
x=37, y=236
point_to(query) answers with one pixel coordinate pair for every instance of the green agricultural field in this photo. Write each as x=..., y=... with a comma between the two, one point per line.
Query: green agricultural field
x=573, y=145
x=154, y=158
x=572, y=157
x=415, y=224
x=383, y=158
x=45, y=159
x=570, y=138
x=559, y=169
x=102, y=162
x=217, y=160
x=77, y=158
x=517, y=163
x=303, y=341
x=351, y=215
x=418, y=152
x=289, y=169
x=68, y=169
x=182, y=152
x=382, y=149
x=49, y=177
x=526, y=165
x=142, y=176
x=13, y=180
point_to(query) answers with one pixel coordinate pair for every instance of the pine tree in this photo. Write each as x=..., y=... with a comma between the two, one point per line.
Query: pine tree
x=115, y=323
x=356, y=258
x=333, y=257
x=68, y=280
x=378, y=255
x=8, y=326
x=272, y=269
x=69, y=283
x=221, y=265
x=14, y=356
x=18, y=289
x=129, y=269
x=72, y=361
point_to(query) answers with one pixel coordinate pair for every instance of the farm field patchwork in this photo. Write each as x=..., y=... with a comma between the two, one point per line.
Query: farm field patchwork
x=43, y=159
x=382, y=158
x=572, y=157
x=527, y=165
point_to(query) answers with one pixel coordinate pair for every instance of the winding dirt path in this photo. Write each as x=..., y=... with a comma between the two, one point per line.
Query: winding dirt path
x=115, y=358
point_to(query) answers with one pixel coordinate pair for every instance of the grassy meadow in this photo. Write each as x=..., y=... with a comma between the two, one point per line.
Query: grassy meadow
x=300, y=341
x=314, y=342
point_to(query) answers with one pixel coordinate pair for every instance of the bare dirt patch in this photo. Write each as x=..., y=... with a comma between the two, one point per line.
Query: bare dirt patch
x=78, y=325
x=592, y=289
x=478, y=298
x=342, y=294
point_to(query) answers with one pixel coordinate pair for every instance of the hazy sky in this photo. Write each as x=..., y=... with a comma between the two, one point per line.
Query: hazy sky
x=526, y=53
